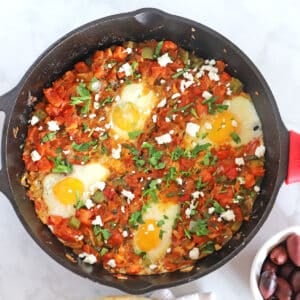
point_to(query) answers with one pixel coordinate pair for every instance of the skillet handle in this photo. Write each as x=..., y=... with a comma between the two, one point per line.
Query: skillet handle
x=294, y=158
x=6, y=104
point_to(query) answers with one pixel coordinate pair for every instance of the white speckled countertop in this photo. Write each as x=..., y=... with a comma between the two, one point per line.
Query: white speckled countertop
x=267, y=31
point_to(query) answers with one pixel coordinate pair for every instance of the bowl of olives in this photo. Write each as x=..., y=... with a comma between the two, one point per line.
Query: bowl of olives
x=275, y=271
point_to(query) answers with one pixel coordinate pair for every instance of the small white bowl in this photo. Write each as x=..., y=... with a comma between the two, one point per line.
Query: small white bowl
x=263, y=253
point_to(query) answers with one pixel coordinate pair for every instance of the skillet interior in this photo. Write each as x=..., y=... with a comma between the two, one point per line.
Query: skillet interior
x=137, y=26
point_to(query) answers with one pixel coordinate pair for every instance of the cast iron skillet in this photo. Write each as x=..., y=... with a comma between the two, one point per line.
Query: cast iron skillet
x=139, y=25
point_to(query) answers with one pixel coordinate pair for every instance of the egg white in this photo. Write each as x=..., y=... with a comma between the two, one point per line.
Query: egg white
x=245, y=116
x=160, y=211
x=144, y=100
x=89, y=174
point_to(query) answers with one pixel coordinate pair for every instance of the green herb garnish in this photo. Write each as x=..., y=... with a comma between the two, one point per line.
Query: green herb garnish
x=135, y=219
x=50, y=136
x=157, y=49
x=134, y=134
x=235, y=137
x=83, y=98
x=84, y=146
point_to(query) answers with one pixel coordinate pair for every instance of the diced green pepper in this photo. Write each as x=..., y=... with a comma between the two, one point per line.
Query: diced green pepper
x=40, y=114
x=184, y=55
x=74, y=222
x=147, y=53
x=98, y=197
x=196, y=62
x=235, y=85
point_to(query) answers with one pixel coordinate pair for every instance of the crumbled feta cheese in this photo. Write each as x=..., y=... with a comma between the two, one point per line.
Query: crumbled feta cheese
x=200, y=74
x=164, y=60
x=117, y=98
x=34, y=120
x=206, y=95
x=127, y=194
x=116, y=136
x=241, y=180
x=92, y=116
x=125, y=233
x=96, y=105
x=53, y=126
x=97, y=97
x=162, y=103
x=197, y=194
x=174, y=117
x=228, y=215
x=179, y=181
x=112, y=263
x=194, y=253
x=164, y=139
x=168, y=120
x=35, y=156
x=162, y=81
x=97, y=221
x=174, y=96
x=188, y=212
x=95, y=86
x=192, y=129
x=188, y=76
x=123, y=209
x=256, y=188
x=152, y=267
x=101, y=118
x=239, y=161
x=185, y=85
x=116, y=153
x=88, y=258
x=172, y=131
x=159, y=181
x=126, y=68
x=228, y=91
x=207, y=125
x=89, y=203
x=40, y=128
x=211, y=210
x=100, y=185
x=169, y=250
x=150, y=227
x=128, y=50
x=212, y=62
x=79, y=237
x=234, y=123
x=260, y=151
x=66, y=152
x=213, y=76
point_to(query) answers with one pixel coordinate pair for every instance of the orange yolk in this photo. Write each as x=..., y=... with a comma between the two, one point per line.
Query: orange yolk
x=147, y=236
x=222, y=127
x=68, y=190
x=126, y=116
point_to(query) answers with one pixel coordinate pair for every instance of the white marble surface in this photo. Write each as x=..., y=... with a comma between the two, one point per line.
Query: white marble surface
x=267, y=31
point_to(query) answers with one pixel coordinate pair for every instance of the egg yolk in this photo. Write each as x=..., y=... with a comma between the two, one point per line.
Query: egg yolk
x=68, y=190
x=222, y=126
x=147, y=235
x=126, y=116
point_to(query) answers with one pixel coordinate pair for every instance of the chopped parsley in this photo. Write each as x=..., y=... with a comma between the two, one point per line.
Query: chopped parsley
x=187, y=233
x=103, y=251
x=160, y=223
x=50, y=136
x=134, y=134
x=135, y=219
x=83, y=98
x=61, y=165
x=177, y=153
x=107, y=100
x=171, y=175
x=151, y=190
x=235, y=137
x=199, y=227
x=207, y=248
x=84, y=146
x=218, y=208
x=154, y=156
x=103, y=231
x=158, y=49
